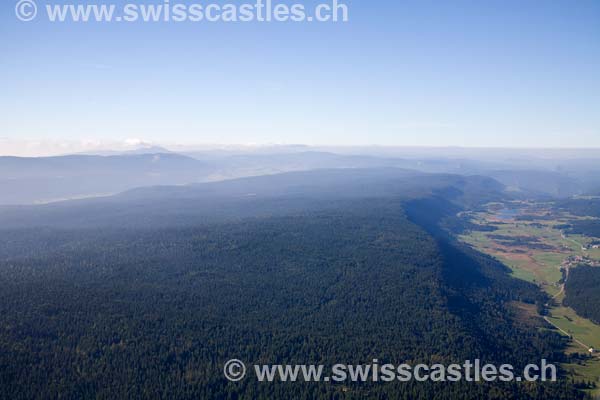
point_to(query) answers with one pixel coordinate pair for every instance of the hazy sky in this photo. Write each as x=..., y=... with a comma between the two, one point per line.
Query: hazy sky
x=463, y=73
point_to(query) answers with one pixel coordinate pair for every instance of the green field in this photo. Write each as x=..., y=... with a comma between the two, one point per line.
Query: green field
x=542, y=268
x=582, y=329
x=594, y=253
x=550, y=273
x=518, y=271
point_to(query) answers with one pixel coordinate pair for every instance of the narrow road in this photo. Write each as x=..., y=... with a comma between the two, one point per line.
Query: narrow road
x=562, y=287
x=568, y=334
x=562, y=290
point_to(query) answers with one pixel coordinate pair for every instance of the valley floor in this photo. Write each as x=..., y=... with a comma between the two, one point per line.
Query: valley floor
x=528, y=239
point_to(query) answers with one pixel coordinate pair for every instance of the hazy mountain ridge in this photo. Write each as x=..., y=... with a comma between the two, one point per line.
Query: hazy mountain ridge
x=45, y=179
x=193, y=204
x=31, y=180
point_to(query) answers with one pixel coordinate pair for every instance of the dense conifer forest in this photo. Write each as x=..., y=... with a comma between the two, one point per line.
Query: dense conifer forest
x=154, y=313
x=582, y=292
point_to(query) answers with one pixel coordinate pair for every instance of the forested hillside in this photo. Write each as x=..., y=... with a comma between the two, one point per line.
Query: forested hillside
x=583, y=207
x=582, y=292
x=589, y=228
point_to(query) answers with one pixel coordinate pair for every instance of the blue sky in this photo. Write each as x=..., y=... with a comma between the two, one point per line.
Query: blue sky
x=434, y=73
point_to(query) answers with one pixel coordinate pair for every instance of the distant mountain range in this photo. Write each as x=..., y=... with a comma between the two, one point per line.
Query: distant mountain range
x=48, y=179
x=267, y=195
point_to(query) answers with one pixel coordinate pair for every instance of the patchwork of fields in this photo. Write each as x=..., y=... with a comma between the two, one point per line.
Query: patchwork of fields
x=528, y=239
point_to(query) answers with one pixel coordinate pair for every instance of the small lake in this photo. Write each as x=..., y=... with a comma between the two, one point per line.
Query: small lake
x=507, y=214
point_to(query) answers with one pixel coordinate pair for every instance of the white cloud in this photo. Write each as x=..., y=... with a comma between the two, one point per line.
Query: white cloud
x=39, y=148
